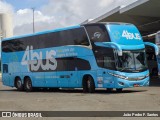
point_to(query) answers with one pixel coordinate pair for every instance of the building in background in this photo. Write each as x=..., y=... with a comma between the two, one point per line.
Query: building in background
x=142, y=13
x=6, y=25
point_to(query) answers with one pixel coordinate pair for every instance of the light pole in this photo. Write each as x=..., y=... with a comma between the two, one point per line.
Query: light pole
x=33, y=9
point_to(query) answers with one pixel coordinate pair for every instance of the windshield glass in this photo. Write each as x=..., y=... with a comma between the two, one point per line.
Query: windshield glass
x=132, y=61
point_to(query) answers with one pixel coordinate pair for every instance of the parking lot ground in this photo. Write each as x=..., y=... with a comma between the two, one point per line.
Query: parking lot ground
x=132, y=99
x=142, y=98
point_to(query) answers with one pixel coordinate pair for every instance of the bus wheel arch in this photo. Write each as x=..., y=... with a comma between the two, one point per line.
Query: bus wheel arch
x=18, y=83
x=88, y=84
x=28, y=84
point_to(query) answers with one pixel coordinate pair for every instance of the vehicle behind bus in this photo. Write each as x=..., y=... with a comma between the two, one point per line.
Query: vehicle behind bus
x=158, y=44
x=153, y=59
x=89, y=56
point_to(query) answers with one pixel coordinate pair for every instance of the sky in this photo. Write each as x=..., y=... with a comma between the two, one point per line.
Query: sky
x=51, y=14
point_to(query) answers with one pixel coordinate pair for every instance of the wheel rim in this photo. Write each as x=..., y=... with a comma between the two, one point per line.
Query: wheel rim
x=29, y=84
x=19, y=84
x=88, y=83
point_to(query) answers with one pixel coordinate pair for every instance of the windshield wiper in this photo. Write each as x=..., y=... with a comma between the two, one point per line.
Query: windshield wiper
x=125, y=69
x=141, y=68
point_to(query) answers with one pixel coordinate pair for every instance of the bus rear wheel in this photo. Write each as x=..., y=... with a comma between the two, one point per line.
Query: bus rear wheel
x=88, y=85
x=28, y=85
x=18, y=84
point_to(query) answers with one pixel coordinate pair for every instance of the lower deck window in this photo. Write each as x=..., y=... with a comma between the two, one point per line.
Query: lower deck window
x=5, y=68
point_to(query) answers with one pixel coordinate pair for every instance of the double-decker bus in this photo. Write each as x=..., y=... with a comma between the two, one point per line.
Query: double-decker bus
x=88, y=56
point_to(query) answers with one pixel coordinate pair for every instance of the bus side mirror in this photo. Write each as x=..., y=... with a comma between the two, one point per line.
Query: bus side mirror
x=115, y=46
x=120, y=53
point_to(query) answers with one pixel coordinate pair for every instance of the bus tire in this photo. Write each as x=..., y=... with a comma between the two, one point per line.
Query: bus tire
x=28, y=84
x=119, y=90
x=19, y=84
x=88, y=85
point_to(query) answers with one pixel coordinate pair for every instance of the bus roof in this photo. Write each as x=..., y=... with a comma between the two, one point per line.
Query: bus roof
x=109, y=23
x=66, y=28
x=42, y=32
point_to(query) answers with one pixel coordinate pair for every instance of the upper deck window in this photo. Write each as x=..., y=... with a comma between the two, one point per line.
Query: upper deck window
x=97, y=33
x=75, y=36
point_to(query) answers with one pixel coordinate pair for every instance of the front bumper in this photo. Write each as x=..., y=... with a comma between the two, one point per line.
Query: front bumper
x=120, y=83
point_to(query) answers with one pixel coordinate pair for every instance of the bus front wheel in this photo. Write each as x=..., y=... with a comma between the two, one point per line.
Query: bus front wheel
x=18, y=84
x=88, y=85
x=119, y=90
x=28, y=85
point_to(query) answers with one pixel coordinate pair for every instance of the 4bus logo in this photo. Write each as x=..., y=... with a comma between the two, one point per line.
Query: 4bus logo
x=131, y=36
x=35, y=59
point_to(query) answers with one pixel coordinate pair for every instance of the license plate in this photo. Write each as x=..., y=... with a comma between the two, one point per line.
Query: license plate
x=136, y=85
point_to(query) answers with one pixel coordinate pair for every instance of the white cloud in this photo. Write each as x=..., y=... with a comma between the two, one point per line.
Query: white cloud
x=5, y=7
x=25, y=16
x=21, y=12
x=39, y=26
x=70, y=12
x=61, y=13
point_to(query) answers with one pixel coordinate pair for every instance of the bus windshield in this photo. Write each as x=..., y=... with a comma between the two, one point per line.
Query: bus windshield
x=132, y=61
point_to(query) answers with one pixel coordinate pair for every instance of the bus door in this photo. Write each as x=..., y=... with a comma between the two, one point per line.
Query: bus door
x=63, y=79
x=6, y=75
x=51, y=79
x=73, y=78
x=62, y=74
x=38, y=79
x=67, y=73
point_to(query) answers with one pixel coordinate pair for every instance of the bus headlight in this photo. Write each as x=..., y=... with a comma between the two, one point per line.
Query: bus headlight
x=147, y=75
x=119, y=76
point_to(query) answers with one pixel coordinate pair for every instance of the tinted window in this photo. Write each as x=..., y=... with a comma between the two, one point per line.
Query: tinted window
x=105, y=58
x=97, y=33
x=79, y=37
x=67, y=37
x=67, y=64
x=5, y=68
x=10, y=46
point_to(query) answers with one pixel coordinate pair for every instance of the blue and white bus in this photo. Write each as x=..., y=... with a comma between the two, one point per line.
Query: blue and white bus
x=88, y=56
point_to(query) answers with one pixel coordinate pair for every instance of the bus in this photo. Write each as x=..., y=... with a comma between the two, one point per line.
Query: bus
x=153, y=60
x=158, y=56
x=89, y=56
